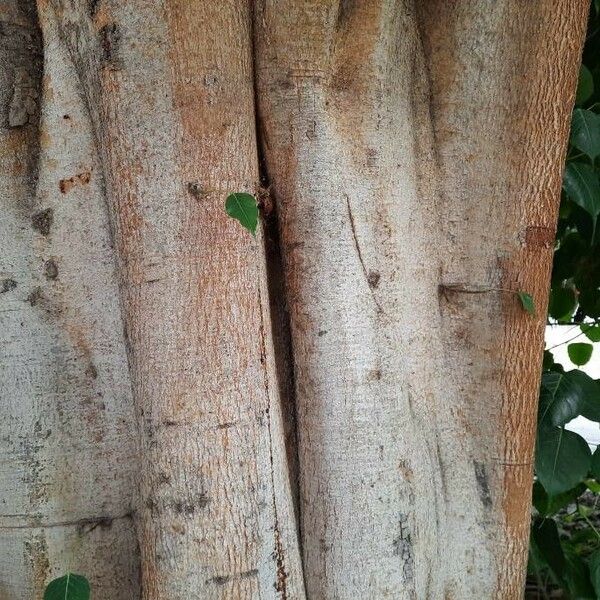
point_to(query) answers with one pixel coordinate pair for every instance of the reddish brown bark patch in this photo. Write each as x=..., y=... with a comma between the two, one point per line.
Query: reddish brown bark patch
x=83, y=178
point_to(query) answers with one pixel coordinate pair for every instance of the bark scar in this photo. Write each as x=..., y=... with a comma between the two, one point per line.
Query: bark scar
x=483, y=485
x=371, y=277
x=224, y=579
x=84, y=525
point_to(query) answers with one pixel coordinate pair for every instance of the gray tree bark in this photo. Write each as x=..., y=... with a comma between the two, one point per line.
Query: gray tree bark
x=415, y=152
x=67, y=435
x=413, y=155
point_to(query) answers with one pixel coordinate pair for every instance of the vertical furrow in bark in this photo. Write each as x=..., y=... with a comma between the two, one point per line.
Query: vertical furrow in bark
x=282, y=342
x=170, y=88
x=415, y=166
x=341, y=122
x=66, y=445
x=278, y=306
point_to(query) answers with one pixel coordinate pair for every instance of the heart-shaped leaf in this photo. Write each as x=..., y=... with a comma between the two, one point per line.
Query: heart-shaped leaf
x=549, y=505
x=68, y=587
x=588, y=391
x=562, y=303
x=582, y=186
x=585, y=132
x=592, y=332
x=527, y=302
x=562, y=459
x=580, y=353
x=243, y=207
x=562, y=398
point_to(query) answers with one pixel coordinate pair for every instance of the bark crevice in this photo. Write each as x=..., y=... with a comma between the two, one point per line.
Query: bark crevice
x=278, y=307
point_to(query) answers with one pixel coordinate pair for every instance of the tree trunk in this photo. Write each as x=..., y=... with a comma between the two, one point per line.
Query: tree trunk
x=66, y=442
x=170, y=92
x=414, y=154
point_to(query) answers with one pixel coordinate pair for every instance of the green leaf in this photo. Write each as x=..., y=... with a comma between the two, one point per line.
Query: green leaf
x=591, y=394
x=580, y=353
x=595, y=468
x=595, y=571
x=585, y=132
x=589, y=302
x=548, y=360
x=546, y=543
x=68, y=587
x=243, y=207
x=562, y=398
x=592, y=484
x=592, y=332
x=535, y=565
x=562, y=459
x=581, y=184
x=577, y=576
x=562, y=303
x=585, y=85
x=568, y=256
x=577, y=389
x=548, y=505
x=527, y=302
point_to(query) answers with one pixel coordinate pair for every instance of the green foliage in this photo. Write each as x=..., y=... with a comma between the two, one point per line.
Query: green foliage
x=585, y=132
x=582, y=186
x=562, y=459
x=585, y=86
x=68, y=587
x=592, y=332
x=595, y=571
x=244, y=208
x=547, y=548
x=562, y=397
x=527, y=302
x=547, y=505
x=563, y=303
x=580, y=353
x=595, y=467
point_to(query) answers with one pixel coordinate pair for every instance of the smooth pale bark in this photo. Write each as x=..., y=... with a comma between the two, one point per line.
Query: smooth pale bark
x=415, y=154
x=67, y=452
x=169, y=87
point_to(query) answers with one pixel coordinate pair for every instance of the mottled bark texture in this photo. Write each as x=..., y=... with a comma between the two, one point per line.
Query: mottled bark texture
x=67, y=442
x=413, y=153
x=169, y=88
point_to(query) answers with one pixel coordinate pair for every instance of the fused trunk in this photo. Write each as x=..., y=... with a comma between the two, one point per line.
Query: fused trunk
x=412, y=151
x=169, y=89
x=415, y=153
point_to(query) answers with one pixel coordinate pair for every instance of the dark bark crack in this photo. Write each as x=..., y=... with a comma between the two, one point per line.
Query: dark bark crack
x=371, y=276
x=279, y=553
x=280, y=326
x=84, y=525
